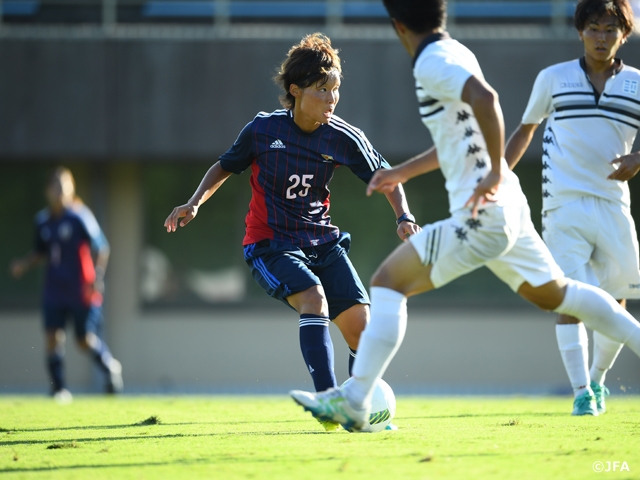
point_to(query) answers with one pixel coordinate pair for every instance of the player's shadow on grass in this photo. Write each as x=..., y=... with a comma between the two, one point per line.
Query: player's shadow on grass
x=131, y=425
x=144, y=437
x=100, y=427
x=203, y=461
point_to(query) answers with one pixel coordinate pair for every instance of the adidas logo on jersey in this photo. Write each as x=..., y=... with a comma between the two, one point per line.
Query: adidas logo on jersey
x=278, y=144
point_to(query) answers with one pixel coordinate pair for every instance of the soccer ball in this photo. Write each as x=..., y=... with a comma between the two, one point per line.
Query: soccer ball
x=383, y=407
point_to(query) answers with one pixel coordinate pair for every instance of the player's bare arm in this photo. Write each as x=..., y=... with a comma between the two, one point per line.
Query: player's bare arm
x=484, y=102
x=102, y=260
x=398, y=201
x=20, y=266
x=518, y=143
x=628, y=166
x=211, y=181
x=385, y=180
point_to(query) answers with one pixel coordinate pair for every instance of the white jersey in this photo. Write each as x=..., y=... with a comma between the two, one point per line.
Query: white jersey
x=584, y=131
x=441, y=68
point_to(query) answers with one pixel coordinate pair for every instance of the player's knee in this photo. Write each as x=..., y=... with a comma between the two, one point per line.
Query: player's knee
x=547, y=297
x=351, y=326
x=544, y=304
x=54, y=339
x=352, y=334
x=382, y=277
x=314, y=302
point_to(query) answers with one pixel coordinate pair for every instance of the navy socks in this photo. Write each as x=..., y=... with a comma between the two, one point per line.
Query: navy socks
x=55, y=369
x=317, y=350
x=352, y=358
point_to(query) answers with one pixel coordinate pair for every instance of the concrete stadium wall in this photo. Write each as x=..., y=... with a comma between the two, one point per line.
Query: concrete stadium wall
x=127, y=101
x=137, y=99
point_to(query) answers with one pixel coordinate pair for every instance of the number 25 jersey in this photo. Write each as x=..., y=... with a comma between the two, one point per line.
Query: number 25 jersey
x=290, y=175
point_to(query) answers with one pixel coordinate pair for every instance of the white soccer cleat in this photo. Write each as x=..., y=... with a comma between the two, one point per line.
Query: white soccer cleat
x=63, y=396
x=114, y=377
x=332, y=406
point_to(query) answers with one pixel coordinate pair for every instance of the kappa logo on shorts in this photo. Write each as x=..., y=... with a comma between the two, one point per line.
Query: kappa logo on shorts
x=278, y=144
x=630, y=87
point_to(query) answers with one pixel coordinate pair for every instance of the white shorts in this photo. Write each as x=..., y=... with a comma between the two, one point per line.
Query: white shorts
x=501, y=238
x=595, y=241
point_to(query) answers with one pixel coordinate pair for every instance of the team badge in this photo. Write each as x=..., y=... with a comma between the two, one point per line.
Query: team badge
x=64, y=231
x=327, y=158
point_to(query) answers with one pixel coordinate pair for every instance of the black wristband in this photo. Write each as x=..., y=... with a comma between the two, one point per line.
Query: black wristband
x=406, y=217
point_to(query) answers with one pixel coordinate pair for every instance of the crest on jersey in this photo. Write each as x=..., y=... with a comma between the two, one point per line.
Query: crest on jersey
x=630, y=86
x=327, y=158
x=64, y=231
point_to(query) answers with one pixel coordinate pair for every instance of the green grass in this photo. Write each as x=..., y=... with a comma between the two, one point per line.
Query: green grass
x=270, y=437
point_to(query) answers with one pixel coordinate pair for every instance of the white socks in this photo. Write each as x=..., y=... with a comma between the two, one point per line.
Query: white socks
x=605, y=352
x=378, y=343
x=599, y=311
x=574, y=349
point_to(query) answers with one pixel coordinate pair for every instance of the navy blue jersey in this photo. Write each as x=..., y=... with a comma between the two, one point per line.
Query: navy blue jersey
x=290, y=175
x=67, y=241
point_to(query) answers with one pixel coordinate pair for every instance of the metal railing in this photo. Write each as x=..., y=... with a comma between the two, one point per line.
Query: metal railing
x=224, y=12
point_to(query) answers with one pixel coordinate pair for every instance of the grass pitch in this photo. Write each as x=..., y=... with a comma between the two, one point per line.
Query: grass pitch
x=271, y=437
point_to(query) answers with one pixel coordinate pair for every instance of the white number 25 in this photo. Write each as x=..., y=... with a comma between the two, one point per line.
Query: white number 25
x=296, y=181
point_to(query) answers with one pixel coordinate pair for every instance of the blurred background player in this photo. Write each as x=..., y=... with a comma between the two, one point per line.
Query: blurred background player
x=294, y=252
x=67, y=235
x=490, y=223
x=592, y=107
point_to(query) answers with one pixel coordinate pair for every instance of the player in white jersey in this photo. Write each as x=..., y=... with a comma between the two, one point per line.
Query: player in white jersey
x=592, y=108
x=490, y=224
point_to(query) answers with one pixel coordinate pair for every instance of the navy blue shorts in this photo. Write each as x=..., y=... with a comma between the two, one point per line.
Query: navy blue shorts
x=282, y=269
x=85, y=319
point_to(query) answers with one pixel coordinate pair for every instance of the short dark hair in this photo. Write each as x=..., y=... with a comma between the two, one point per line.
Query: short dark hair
x=307, y=63
x=60, y=171
x=621, y=9
x=420, y=16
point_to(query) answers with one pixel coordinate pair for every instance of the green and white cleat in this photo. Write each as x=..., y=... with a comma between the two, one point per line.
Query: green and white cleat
x=332, y=406
x=600, y=392
x=585, y=404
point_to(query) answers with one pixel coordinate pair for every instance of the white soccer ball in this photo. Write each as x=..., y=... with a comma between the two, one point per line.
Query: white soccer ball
x=383, y=407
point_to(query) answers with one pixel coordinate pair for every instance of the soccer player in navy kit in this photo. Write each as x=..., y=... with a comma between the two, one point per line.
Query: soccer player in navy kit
x=293, y=250
x=66, y=235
